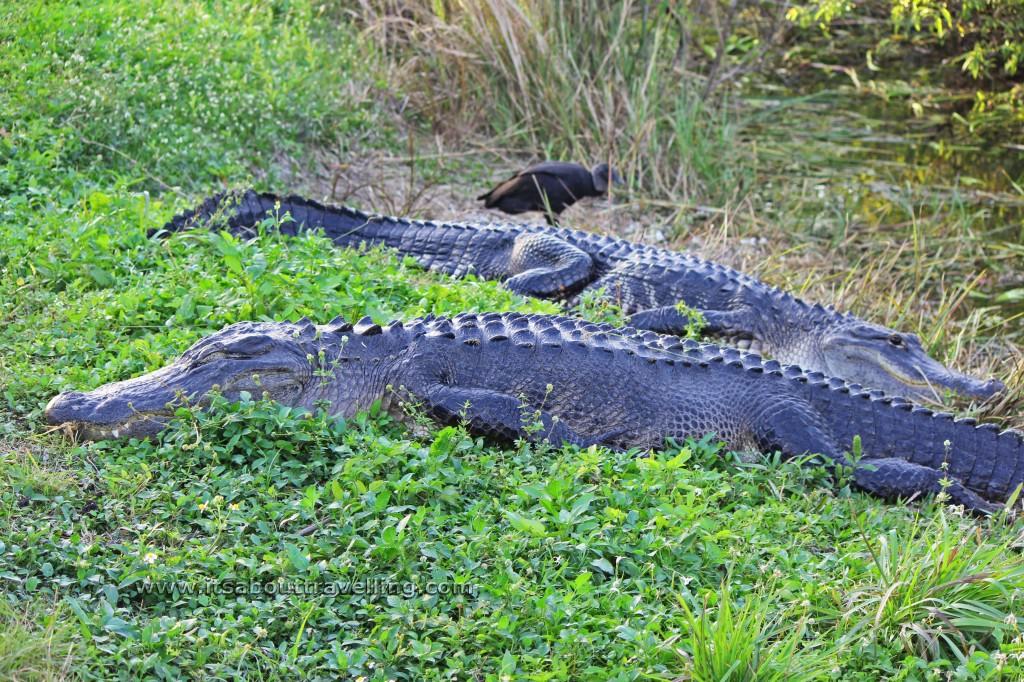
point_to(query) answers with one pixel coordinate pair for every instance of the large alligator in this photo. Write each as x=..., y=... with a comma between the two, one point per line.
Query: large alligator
x=535, y=376
x=647, y=282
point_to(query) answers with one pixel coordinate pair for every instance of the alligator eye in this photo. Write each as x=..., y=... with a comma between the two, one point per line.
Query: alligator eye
x=896, y=340
x=208, y=357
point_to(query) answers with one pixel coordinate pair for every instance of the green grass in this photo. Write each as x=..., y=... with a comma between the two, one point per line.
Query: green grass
x=34, y=645
x=177, y=94
x=483, y=560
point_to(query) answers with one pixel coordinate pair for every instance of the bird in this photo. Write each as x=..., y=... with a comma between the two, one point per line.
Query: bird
x=550, y=186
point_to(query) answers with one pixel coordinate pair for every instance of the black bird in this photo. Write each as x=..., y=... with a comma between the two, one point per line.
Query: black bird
x=551, y=186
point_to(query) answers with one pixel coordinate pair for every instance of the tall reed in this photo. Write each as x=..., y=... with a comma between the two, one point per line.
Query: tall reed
x=587, y=80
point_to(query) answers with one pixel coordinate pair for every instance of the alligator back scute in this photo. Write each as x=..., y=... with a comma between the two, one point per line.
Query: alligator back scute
x=463, y=321
x=367, y=327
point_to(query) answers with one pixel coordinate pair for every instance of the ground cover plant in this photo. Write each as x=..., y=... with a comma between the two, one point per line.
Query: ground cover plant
x=254, y=541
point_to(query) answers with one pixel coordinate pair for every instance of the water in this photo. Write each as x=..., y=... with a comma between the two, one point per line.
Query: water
x=885, y=164
x=847, y=133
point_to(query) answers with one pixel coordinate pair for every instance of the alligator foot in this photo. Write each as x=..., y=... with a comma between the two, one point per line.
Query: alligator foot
x=892, y=478
x=504, y=416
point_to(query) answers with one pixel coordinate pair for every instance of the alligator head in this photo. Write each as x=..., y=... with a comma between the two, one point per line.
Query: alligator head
x=248, y=356
x=896, y=363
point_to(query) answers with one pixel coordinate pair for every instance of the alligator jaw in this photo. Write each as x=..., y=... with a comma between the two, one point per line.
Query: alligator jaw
x=68, y=412
x=930, y=389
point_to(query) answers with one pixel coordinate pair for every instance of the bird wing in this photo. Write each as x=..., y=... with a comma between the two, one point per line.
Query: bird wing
x=500, y=191
x=547, y=182
x=558, y=170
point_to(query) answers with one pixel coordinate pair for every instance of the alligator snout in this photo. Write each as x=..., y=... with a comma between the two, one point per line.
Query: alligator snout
x=993, y=386
x=65, y=407
x=72, y=411
x=92, y=417
x=972, y=387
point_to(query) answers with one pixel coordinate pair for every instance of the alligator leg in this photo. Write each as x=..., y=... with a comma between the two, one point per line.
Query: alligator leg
x=668, y=320
x=501, y=415
x=544, y=266
x=797, y=431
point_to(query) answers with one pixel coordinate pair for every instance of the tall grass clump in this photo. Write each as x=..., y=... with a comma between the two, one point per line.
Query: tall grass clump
x=584, y=80
x=941, y=594
x=748, y=644
x=30, y=652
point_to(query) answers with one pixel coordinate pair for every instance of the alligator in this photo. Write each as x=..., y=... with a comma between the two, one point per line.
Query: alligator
x=648, y=283
x=510, y=375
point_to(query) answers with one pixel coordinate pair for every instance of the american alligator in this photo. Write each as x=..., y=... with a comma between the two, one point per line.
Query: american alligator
x=647, y=282
x=575, y=381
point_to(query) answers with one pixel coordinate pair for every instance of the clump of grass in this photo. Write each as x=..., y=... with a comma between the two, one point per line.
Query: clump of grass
x=938, y=595
x=750, y=644
x=30, y=652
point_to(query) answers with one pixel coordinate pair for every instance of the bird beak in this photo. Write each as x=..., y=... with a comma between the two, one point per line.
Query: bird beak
x=617, y=179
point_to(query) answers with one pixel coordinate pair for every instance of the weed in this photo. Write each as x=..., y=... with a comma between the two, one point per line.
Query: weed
x=938, y=594
x=747, y=645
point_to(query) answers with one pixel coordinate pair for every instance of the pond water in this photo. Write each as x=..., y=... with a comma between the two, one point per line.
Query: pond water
x=885, y=163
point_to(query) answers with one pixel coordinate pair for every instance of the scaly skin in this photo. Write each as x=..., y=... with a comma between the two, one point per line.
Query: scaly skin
x=647, y=282
x=578, y=382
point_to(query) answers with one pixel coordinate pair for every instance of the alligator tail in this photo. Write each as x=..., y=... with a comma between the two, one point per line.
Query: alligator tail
x=241, y=214
x=452, y=249
x=238, y=213
x=980, y=456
